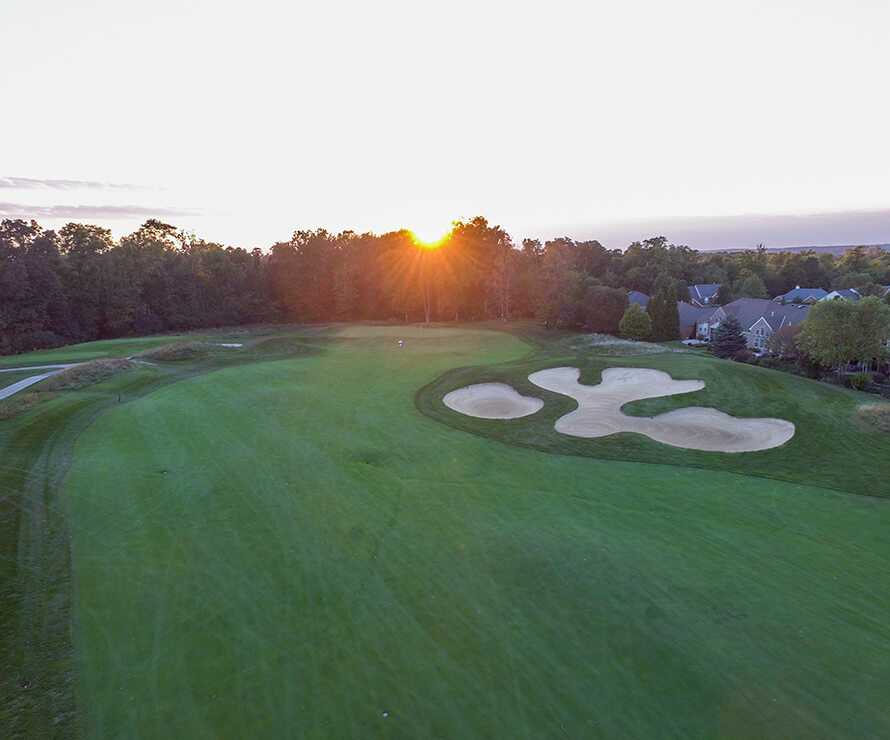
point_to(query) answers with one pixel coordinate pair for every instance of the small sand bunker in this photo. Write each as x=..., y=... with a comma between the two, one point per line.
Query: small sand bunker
x=599, y=412
x=492, y=401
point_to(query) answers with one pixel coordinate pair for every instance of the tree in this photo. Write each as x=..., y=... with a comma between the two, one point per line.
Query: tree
x=836, y=333
x=662, y=309
x=635, y=323
x=753, y=287
x=827, y=334
x=727, y=338
x=871, y=330
x=604, y=308
x=724, y=295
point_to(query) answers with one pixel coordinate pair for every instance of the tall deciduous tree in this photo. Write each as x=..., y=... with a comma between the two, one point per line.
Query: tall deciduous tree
x=604, y=308
x=827, y=334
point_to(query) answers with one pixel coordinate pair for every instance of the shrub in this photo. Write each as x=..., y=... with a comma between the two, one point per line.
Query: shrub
x=860, y=382
x=744, y=355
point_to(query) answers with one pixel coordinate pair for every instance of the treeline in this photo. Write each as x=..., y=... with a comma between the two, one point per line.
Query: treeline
x=77, y=284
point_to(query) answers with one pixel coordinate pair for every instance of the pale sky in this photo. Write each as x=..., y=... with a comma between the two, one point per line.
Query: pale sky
x=243, y=121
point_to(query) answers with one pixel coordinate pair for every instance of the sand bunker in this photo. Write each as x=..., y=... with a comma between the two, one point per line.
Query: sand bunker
x=599, y=412
x=492, y=401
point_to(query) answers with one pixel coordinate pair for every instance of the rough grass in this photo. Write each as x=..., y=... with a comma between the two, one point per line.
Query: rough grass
x=21, y=403
x=85, y=375
x=608, y=346
x=183, y=350
x=876, y=415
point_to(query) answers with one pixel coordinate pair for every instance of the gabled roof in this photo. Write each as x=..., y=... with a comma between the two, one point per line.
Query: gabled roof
x=703, y=291
x=749, y=310
x=802, y=294
x=690, y=315
x=847, y=294
x=634, y=296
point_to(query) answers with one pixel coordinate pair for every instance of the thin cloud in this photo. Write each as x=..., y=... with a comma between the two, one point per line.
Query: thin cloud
x=111, y=212
x=746, y=231
x=28, y=183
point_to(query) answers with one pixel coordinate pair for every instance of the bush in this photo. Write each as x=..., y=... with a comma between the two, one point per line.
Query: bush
x=860, y=381
x=773, y=363
x=745, y=355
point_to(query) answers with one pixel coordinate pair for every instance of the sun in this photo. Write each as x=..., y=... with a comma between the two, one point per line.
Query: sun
x=429, y=238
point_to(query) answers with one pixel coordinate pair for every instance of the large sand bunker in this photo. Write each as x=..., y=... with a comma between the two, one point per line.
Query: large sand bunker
x=491, y=401
x=599, y=412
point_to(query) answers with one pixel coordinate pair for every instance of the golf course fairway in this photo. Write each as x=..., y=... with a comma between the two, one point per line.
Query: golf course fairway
x=293, y=547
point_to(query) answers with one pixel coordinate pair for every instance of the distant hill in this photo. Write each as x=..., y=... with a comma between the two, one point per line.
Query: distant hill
x=836, y=250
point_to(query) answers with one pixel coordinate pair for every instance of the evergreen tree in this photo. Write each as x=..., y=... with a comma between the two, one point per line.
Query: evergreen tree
x=728, y=338
x=635, y=324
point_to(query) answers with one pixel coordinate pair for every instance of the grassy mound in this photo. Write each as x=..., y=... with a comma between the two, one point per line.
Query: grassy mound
x=182, y=350
x=608, y=346
x=85, y=375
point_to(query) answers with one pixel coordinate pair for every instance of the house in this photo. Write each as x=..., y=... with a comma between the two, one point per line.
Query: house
x=703, y=295
x=634, y=296
x=759, y=317
x=846, y=294
x=802, y=295
x=690, y=317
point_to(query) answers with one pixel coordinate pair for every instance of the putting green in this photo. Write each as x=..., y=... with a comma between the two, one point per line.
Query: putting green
x=290, y=549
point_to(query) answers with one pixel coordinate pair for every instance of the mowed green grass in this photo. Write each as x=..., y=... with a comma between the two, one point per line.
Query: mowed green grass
x=290, y=549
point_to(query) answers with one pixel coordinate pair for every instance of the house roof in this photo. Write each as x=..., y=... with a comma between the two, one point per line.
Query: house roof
x=690, y=315
x=749, y=310
x=802, y=294
x=703, y=291
x=848, y=294
x=634, y=296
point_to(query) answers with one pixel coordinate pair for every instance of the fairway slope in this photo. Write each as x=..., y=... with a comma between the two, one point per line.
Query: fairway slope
x=289, y=548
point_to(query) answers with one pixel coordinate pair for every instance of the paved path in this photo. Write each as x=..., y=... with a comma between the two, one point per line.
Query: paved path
x=22, y=384
x=37, y=367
